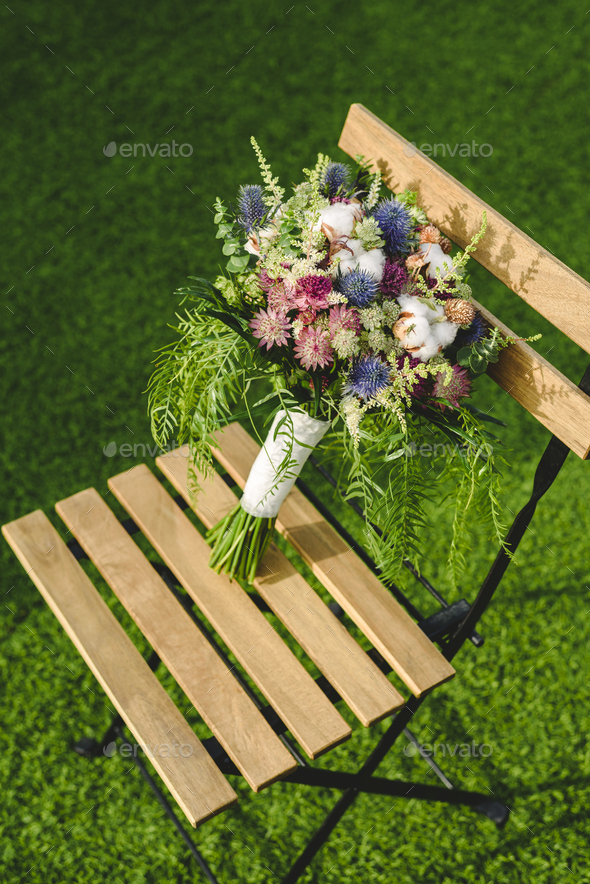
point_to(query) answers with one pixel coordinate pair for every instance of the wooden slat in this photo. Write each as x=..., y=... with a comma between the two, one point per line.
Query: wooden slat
x=543, y=390
x=529, y=270
x=319, y=632
x=354, y=586
x=304, y=708
x=223, y=704
x=538, y=277
x=195, y=782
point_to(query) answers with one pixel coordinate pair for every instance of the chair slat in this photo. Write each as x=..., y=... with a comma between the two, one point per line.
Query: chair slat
x=319, y=632
x=543, y=390
x=304, y=708
x=223, y=704
x=535, y=275
x=354, y=586
x=196, y=783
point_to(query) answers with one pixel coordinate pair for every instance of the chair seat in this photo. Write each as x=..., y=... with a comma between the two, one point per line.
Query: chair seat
x=221, y=700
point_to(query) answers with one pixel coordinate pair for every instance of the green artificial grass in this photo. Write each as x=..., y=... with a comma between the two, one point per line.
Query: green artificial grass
x=93, y=248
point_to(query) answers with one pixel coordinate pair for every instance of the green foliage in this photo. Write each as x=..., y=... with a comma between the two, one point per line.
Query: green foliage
x=100, y=300
x=478, y=356
x=199, y=378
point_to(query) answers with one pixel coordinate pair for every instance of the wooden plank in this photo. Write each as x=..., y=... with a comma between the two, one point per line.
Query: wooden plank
x=538, y=277
x=354, y=586
x=304, y=708
x=543, y=390
x=196, y=783
x=319, y=632
x=223, y=704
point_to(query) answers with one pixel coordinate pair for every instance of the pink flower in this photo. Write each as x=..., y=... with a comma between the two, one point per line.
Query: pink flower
x=459, y=387
x=342, y=317
x=271, y=327
x=312, y=292
x=279, y=292
x=313, y=348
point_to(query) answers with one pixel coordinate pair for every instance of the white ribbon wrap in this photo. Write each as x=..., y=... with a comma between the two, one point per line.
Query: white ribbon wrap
x=256, y=500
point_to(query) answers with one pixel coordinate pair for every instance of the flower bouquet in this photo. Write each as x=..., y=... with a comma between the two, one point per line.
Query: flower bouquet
x=346, y=316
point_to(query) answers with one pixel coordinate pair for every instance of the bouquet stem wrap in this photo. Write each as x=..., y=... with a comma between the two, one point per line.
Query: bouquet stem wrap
x=240, y=539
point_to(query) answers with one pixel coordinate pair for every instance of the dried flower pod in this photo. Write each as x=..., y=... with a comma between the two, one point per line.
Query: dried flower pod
x=430, y=233
x=459, y=311
x=446, y=245
x=414, y=262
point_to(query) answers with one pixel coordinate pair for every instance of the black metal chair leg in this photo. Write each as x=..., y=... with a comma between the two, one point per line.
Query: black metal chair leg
x=170, y=813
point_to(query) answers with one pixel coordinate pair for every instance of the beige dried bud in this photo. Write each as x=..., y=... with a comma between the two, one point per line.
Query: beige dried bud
x=446, y=245
x=430, y=233
x=459, y=311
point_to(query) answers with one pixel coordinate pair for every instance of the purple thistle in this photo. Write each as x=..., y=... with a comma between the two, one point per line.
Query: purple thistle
x=394, y=277
x=476, y=331
x=367, y=377
x=252, y=206
x=358, y=287
x=336, y=178
x=394, y=222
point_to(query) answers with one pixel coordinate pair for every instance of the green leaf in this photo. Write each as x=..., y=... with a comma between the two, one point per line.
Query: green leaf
x=239, y=261
x=464, y=356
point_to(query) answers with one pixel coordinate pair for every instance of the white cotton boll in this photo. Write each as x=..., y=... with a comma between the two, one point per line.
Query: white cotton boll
x=429, y=349
x=349, y=259
x=412, y=331
x=436, y=257
x=421, y=307
x=445, y=332
x=340, y=217
x=372, y=262
x=432, y=331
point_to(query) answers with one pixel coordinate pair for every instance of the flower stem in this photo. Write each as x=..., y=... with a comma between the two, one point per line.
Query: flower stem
x=239, y=542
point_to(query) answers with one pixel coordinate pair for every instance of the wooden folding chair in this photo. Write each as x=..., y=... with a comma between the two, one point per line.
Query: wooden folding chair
x=266, y=743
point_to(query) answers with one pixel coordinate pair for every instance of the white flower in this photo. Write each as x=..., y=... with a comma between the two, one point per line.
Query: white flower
x=436, y=257
x=371, y=317
x=255, y=239
x=339, y=219
x=423, y=329
x=354, y=257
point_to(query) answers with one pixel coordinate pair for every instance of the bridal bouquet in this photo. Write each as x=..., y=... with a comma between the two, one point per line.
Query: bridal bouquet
x=346, y=316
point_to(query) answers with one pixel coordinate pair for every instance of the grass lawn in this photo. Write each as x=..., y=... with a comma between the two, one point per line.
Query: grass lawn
x=93, y=248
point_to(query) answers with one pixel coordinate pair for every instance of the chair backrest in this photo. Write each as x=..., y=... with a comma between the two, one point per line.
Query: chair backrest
x=535, y=275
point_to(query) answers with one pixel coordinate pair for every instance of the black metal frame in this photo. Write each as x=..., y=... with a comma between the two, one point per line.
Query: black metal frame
x=450, y=628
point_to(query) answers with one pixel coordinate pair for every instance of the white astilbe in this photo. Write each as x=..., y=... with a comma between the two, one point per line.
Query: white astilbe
x=373, y=194
x=274, y=192
x=353, y=414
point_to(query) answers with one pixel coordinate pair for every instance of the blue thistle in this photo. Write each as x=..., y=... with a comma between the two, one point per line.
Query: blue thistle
x=476, y=331
x=336, y=178
x=395, y=224
x=252, y=207
x=358, y=287
x=367, y=377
